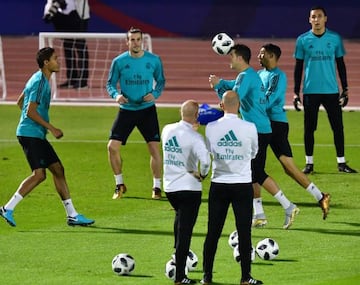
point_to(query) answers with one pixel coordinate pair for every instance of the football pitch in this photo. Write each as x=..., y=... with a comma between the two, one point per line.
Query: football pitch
x=42, y=249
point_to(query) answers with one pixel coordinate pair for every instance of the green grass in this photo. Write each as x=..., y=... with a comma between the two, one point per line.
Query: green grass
x=42, y=249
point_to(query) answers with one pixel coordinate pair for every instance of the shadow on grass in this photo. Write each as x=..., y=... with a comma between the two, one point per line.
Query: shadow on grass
x=328, y=231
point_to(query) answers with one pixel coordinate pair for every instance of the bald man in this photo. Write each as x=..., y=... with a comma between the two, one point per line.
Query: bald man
x=233, y=144
x=186, y=162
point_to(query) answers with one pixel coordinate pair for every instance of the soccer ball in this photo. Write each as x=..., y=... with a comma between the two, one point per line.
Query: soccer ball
x=123, y=264
x=192, y=260
x=267, y=249
x=170, y=269
x=233, y=239
x=236, y=253
x=222, y=43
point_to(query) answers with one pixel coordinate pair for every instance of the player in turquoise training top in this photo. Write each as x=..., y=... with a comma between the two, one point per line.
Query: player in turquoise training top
x=31, y=132
x=275, y=83
x=141, y=78
x=250, y=90
x=317, y=51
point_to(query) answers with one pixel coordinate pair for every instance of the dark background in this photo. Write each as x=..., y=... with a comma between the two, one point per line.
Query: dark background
x=196, y=18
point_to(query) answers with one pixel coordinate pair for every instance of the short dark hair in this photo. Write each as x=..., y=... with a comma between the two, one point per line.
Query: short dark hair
x=318, y=8
x=44, y=54
x=133, y=30
x=243, y=51
x=274, y=49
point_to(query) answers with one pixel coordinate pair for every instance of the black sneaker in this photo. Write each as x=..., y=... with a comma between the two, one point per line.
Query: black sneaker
x=250, y=281
x=80, y=86
x=309, y=168
x=66, y=85
x=343, y=167
x=205, y=281
x=119, y=191
x=185, y=281
x=156, y=194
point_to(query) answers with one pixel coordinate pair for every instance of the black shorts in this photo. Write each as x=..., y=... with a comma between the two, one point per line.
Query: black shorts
x=258, y=163
x=39, y=152
x=279, y=139
x=145, y=120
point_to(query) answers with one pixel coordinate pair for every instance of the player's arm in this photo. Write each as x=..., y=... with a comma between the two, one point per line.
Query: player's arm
x=344, y=97
x=297, y=82
x=20, y=101
x=159, y=80
x=33, y=114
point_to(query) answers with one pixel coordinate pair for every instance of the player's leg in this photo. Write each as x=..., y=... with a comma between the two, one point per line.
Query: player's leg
x=37, y=158
x=334, y=113
x=155, y=165
x=311, y=105
x=120, y=131
x=148, y=126
x=57, y=170
x=269, y=183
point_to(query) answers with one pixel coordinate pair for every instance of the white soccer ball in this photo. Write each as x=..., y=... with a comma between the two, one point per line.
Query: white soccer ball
x=267, y=249
x=191, y=261
x=123, y=264
x=222, y=43
x=233, y=239
x=170, y=269
x=236, y=253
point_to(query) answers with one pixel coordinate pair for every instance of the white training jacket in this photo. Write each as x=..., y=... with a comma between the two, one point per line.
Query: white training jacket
x=183, y=150
x=233, y=143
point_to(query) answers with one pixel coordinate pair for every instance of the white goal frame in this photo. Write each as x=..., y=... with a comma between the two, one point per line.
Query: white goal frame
x=47, y=39
x=2, y=72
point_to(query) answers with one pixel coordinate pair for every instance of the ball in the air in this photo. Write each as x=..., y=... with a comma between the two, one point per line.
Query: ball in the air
x=222, y=43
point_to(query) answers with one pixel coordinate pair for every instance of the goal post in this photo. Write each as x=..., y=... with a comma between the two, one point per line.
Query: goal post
x=2, y=73
x=102, y=49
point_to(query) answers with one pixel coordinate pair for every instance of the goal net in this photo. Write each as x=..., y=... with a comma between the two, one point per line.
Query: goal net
x=102, y=48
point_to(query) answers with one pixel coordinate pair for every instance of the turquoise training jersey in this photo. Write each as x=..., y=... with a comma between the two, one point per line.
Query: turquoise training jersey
x=37, y=90
x=136, y=77
x=275, y=84
x=249, y=87
x=319, y=54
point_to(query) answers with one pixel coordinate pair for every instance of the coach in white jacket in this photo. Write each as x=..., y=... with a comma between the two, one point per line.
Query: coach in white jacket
x=233, y=144
x=186, y=162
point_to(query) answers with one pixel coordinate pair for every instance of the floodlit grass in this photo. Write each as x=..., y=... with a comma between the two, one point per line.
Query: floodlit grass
x=42, y=249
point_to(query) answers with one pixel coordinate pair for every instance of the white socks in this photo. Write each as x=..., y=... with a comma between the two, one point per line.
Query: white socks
x=285, y=203
x=119, y=179
x=157, y=183
x=313, y=190
x=69, y=208
x=15, y=199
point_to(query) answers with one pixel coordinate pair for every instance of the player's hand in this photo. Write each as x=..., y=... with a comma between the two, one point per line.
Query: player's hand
x=344, y=98
x=149, y=97
x=213, y=80
x=297, y=102
x=121, y=99
x=197, y=175
x=57, y=133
